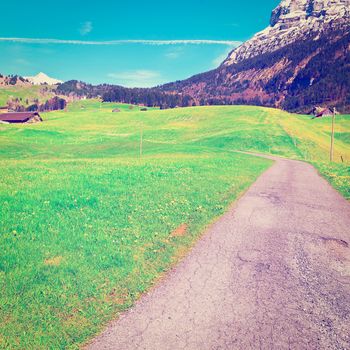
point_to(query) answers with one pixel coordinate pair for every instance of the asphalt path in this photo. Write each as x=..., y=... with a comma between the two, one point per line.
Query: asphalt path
x=272, y=273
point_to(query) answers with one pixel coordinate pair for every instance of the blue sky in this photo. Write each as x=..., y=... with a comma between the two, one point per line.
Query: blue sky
x=111, y=28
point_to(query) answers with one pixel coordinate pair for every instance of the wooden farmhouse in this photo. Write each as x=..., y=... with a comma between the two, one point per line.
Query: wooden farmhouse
x=20, y=117
x=320, y=112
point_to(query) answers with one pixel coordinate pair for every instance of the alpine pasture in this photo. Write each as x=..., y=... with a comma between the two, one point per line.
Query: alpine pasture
x=88, y=224
x=25, y=94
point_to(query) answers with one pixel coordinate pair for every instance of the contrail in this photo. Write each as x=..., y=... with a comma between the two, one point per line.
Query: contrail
x=119, y=42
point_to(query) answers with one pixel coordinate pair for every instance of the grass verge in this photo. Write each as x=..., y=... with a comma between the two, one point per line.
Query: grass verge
x=82, y=239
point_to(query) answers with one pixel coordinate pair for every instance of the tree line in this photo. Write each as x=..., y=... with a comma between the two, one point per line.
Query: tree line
x=150, y=97
x=53, y=104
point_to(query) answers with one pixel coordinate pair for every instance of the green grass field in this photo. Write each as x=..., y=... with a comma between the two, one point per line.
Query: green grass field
x=25, y=93
x=87, y=225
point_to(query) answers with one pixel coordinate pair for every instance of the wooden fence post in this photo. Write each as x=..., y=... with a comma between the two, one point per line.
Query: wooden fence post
x=141, y=142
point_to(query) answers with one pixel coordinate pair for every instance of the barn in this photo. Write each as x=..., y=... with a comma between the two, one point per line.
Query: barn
x=320, y=112
x=20, y=117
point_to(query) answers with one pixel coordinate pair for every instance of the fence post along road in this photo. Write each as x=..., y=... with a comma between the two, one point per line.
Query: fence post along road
x=326, y=112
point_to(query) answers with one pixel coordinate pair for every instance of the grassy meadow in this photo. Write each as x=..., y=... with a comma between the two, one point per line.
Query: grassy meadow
x=87, y=225
x=24, y=93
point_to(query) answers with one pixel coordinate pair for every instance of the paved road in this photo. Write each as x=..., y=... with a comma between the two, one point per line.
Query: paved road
x=272, y=273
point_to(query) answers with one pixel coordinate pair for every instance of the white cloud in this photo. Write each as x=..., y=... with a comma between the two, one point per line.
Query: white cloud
x=137, y=78
x=230, y=43
x=218, y=60
x=85, y=28
x=22, y=61
x=174, y=53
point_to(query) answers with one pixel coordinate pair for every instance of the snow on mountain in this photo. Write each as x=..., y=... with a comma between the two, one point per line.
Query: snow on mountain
x=299, y=61
x=42, y=78
x=290, y=21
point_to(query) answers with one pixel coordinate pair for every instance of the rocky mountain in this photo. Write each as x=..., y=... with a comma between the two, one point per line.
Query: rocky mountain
x=300, y=60
x=42, y=78
x=291, y=21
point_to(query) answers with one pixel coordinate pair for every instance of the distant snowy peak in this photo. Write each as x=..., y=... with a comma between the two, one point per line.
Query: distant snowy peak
x=293, y=20
x=42, y=78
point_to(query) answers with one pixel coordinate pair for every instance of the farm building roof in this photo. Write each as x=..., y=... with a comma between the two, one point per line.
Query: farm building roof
x=326, y=112
x=18, y=117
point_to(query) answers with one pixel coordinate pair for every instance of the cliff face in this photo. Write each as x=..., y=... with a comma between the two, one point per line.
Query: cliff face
x=293, y=20
x=302, y=59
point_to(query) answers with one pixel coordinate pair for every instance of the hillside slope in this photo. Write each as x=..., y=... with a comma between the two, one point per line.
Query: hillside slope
x=302, y=59
x=13, y=80
x=88, y=224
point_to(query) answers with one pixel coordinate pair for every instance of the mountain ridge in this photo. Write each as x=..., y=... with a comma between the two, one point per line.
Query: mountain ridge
x=302, y=59
x=290, y=20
